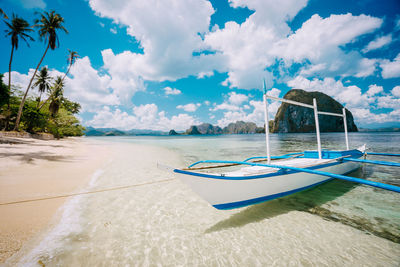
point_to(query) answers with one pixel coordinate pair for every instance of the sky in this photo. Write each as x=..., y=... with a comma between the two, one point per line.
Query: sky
x=170, y=64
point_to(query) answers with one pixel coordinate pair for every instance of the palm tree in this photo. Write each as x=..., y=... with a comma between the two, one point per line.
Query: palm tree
x=18, y=28
x=72, y=56
x=3, y=14
x=56, y=96
x=49, y=24
x=42, y=82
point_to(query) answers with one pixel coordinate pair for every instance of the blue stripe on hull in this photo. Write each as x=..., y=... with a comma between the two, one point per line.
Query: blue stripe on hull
x=244, y=203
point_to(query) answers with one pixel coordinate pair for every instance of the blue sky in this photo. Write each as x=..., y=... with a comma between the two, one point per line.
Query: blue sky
x=170, y=64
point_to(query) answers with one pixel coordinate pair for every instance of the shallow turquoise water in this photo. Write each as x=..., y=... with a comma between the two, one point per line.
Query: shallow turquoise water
x=374, y=210
x=167, y=224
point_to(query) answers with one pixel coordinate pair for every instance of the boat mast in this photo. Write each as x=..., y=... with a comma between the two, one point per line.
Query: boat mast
x=266, y=122
x=317, y=128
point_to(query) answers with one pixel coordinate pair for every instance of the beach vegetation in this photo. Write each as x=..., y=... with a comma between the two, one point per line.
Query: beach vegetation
x=42, y=82
x=48, y=110
x=49, y=24
x=4, y=92
x=56, y=96
x=57, y=116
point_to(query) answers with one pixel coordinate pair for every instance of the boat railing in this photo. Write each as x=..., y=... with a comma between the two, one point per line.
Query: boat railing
x=316, y=113
x=253, y=159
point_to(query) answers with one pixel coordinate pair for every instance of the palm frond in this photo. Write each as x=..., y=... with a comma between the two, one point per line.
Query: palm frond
x=18, y=28
x=49, y=24
x=3, y=14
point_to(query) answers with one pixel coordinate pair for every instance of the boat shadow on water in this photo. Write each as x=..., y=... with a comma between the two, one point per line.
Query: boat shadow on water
x=311, y=201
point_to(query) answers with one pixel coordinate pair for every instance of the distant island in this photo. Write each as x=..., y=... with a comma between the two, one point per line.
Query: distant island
x=288, y=119
x=383, y=129
x=239, y=127
x=90, y=131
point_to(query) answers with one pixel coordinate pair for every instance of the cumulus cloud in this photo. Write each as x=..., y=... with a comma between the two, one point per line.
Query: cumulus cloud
x=391, y=69
x=245, y=46
x=85, y=85
x=256, y=114
x=237, y=99
x=319, y=42
x=374, y=89
x=224, y=106
x=365, y=115
x=396, y=91
x=237, y=107
x=90, y=88
x=360, y=103
x=232, y=102
x=143, y=117
x=351, y=95
x=171, y=91
x=265, y=38
x=124, y=83
x=20, y=81
x=378, y=43
x=191, y=107
x=169, y=32
x=173, y=41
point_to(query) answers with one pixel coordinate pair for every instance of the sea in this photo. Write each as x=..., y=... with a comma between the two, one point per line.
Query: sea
x=156, y=220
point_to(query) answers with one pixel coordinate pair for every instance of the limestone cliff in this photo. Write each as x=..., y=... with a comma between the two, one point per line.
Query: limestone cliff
x=297, y=119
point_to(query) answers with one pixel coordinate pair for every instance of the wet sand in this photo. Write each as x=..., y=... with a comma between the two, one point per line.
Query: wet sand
x=32, y=169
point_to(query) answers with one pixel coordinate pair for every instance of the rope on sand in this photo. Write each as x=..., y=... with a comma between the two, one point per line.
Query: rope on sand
x=85, y=193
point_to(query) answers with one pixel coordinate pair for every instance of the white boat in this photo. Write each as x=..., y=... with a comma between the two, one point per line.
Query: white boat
x=261, y=180
x=257, y=183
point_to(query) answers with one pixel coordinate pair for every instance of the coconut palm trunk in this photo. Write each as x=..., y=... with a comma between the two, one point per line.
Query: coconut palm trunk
x=17, y=28
x=21, y=106
x=9, y=89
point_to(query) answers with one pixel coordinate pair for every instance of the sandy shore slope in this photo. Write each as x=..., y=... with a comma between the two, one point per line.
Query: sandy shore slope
x=31, y=169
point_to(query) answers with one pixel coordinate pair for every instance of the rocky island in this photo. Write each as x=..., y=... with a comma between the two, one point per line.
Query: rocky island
x=297, y=119
x=288, y=119
x=239, y=127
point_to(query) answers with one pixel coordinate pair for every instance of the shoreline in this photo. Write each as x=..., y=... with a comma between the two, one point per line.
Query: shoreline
x=33, y=169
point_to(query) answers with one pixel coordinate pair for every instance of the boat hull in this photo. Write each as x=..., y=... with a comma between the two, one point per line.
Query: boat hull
x=233, y=192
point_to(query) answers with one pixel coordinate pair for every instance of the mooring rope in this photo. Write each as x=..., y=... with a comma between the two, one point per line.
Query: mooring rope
x=85, y=193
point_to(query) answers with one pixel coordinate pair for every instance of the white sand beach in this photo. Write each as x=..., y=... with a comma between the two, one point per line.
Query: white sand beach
x=32, y=169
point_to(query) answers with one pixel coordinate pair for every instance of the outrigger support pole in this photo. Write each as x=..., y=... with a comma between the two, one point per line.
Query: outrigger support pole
x=378, y=162
x=345, y=128
x=317, y=128
x=383, y=154
x=266, y=122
